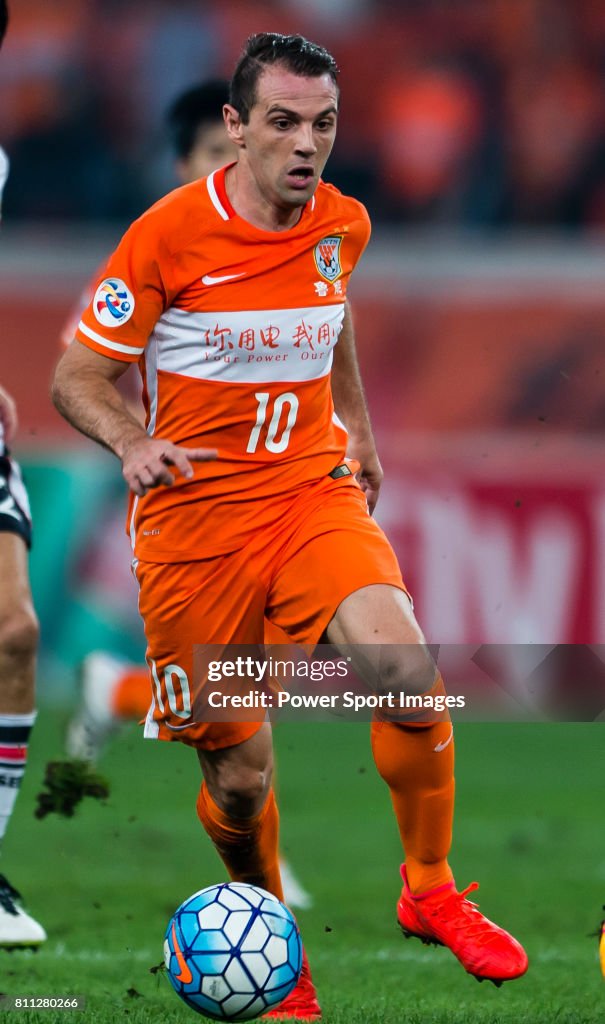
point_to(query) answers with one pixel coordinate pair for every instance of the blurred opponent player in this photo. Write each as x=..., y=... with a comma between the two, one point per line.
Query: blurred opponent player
x=18, y=642
x=18, y=647
x=113, y=691
x=231, y=295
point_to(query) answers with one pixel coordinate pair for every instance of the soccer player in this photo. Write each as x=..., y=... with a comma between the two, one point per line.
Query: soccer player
x=231, y=294
x=18, y=643
x=112, y=690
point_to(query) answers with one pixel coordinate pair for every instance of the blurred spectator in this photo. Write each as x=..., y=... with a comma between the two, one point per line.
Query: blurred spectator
x=428, y=134
x=63, y=167
x=555, y=119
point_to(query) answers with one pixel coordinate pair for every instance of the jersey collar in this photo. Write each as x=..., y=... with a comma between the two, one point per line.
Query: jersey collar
x=215, y=184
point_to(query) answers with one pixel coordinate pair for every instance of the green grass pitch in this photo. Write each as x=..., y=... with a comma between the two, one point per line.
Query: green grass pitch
x=530, y=816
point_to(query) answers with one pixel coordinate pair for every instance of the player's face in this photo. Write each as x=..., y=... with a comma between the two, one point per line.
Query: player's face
x=289, y=136
x=212, y=149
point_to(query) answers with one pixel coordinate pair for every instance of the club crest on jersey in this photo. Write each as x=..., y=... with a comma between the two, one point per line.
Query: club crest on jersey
x=327, y=257
x=113, y=303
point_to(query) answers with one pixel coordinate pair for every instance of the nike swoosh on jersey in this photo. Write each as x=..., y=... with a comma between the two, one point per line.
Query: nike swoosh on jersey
x=208, y=279
x=445, y=743
x=185, y=974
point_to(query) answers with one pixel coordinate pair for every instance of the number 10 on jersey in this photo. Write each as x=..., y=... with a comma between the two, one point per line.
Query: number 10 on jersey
x=277, y=433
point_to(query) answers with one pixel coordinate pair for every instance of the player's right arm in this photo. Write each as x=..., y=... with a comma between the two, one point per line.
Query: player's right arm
x=112, y=334
x=84, y=392
x=132, y=395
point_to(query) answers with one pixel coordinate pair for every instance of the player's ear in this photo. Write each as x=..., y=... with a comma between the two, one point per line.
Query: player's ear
x=233, y=124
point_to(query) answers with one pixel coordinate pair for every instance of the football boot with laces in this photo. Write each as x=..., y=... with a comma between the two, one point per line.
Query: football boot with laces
x=445, y=917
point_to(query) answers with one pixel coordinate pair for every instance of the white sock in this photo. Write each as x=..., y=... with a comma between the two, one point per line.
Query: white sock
x=14, y=736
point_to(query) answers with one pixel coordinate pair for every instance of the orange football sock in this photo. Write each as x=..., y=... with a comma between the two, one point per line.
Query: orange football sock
x=417, y=763
x=131, y=695
x=247, y=846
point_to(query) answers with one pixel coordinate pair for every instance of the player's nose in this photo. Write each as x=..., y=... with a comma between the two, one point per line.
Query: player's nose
x=305, y=141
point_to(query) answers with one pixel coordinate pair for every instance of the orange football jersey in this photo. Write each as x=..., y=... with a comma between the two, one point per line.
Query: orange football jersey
x=234, y=328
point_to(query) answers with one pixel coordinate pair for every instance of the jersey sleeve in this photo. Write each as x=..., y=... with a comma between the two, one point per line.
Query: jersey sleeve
x=70, y=326
x=354, y=214
x=129, y=296
x=361, y=230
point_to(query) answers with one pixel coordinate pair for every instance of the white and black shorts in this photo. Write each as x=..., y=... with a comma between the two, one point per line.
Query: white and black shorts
x=15, y=515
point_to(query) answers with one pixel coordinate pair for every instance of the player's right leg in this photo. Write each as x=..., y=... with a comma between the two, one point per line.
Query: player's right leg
x=18, y=647
x=237, y=808
x=220, y=601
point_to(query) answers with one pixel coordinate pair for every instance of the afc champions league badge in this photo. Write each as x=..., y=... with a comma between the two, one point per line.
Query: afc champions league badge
x=327, y=257
x=113, y=303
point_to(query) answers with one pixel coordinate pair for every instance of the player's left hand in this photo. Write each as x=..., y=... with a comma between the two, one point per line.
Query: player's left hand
x=370, y=475
x=8, y=415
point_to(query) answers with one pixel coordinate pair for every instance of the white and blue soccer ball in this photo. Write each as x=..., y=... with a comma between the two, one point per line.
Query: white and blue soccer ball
x=232, y=951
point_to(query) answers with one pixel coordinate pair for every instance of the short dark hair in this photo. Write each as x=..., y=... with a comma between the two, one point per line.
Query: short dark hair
x=3, y=19
x=295, y=53
x=199, y=105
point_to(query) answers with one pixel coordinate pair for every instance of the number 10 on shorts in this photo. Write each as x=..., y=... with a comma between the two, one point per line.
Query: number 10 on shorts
x=277, y=436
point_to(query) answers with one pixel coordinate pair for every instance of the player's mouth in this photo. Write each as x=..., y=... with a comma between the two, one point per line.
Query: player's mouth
x=300, y=176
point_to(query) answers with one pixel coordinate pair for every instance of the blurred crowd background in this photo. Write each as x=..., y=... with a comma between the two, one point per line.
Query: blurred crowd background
x=479, y=113
x=474, y=130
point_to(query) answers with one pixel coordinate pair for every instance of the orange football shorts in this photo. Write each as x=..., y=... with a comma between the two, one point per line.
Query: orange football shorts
x=323, y=547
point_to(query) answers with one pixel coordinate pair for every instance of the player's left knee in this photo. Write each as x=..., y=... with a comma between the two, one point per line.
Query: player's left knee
x=407, y=669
